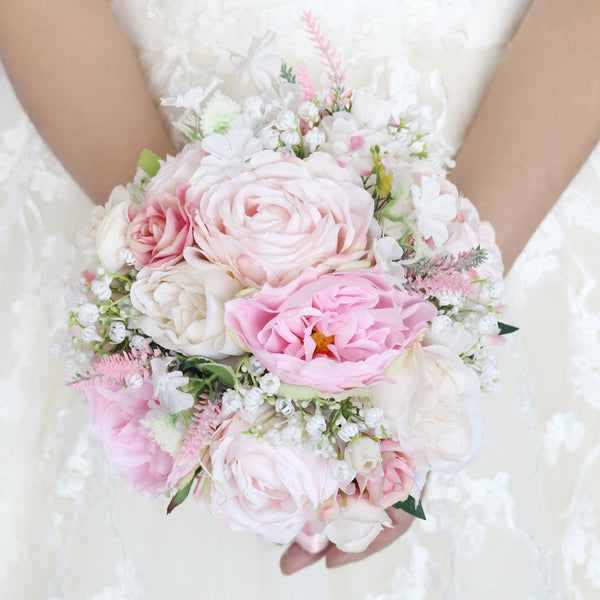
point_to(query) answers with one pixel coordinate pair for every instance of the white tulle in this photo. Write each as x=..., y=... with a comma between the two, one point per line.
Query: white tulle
x=521, y=522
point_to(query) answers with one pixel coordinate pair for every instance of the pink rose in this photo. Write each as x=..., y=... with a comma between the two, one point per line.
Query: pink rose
x=257, y=487
x=116, y=416
x=176, y=170
x=278, y=218
x=160, y=229
x=334, y=332
x=397, y=477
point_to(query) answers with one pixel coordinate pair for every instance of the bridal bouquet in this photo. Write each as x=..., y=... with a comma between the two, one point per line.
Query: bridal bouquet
x=292, y=318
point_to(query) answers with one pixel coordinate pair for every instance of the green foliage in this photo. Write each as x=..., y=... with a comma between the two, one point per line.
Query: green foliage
x=180, y=496
x=505, y=329
x=409, y=506
x=287, y=73
x=149, y=162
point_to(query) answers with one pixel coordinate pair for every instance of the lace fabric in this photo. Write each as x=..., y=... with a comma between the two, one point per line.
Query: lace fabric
x=520, y=522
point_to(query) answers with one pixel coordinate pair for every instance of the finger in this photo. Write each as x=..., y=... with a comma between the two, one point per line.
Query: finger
x=401, y=521
x=295, y=558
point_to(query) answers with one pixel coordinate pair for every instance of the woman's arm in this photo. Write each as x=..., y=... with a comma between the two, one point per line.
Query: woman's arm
x=538, y=122
x=78, y=79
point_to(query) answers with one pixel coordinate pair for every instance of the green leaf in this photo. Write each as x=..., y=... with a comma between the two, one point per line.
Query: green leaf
x=149, y=162
x=180, y=496
x=504, y=328
x=224, y=374
x=300, y=393
x=408, y=506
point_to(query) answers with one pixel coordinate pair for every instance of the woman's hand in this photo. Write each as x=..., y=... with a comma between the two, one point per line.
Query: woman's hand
x=295, y=558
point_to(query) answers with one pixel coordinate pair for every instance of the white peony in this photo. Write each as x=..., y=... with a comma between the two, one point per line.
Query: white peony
x=431, y=406
x=182, y=306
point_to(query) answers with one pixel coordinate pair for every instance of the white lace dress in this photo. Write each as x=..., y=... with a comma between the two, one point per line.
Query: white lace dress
x=521, y=522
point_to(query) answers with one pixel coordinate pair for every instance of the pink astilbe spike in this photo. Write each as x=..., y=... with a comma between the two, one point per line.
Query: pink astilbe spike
x=205, y=420
x=307, y=89
x=447, y=274
x=335, y=72
x=116, y=369
x=444, y=282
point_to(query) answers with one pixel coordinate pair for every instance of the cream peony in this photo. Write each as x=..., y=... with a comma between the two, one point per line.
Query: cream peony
x=182, y=306
x=431, y=407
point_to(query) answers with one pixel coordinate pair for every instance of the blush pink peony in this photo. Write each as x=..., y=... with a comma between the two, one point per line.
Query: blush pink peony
x=256, y=487
x=277, y=218
x=116, y=416
x=159, y=230
x=334, y=332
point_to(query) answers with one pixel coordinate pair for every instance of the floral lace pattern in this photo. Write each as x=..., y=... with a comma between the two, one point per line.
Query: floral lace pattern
x=528, y=506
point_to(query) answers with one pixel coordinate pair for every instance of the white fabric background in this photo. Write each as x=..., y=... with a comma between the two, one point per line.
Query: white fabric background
x=521, y=522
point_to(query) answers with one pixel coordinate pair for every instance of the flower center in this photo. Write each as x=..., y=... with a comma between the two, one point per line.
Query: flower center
x=322, y=342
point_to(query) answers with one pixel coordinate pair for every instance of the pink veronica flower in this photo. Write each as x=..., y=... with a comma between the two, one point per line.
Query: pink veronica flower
x=334, y=332
x=116, y=416
x=160, y=230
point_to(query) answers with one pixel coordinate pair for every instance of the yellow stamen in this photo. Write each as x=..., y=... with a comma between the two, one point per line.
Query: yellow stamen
x=322, y=342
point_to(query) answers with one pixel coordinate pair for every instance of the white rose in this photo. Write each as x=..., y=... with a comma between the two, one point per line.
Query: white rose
x=431, y=405
x=111, y=235
x=357, y=525
x=182, y=306
x=363, y=453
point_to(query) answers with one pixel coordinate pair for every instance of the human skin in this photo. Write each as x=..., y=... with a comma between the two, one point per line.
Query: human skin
x=77, y=77
x=537, y=124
